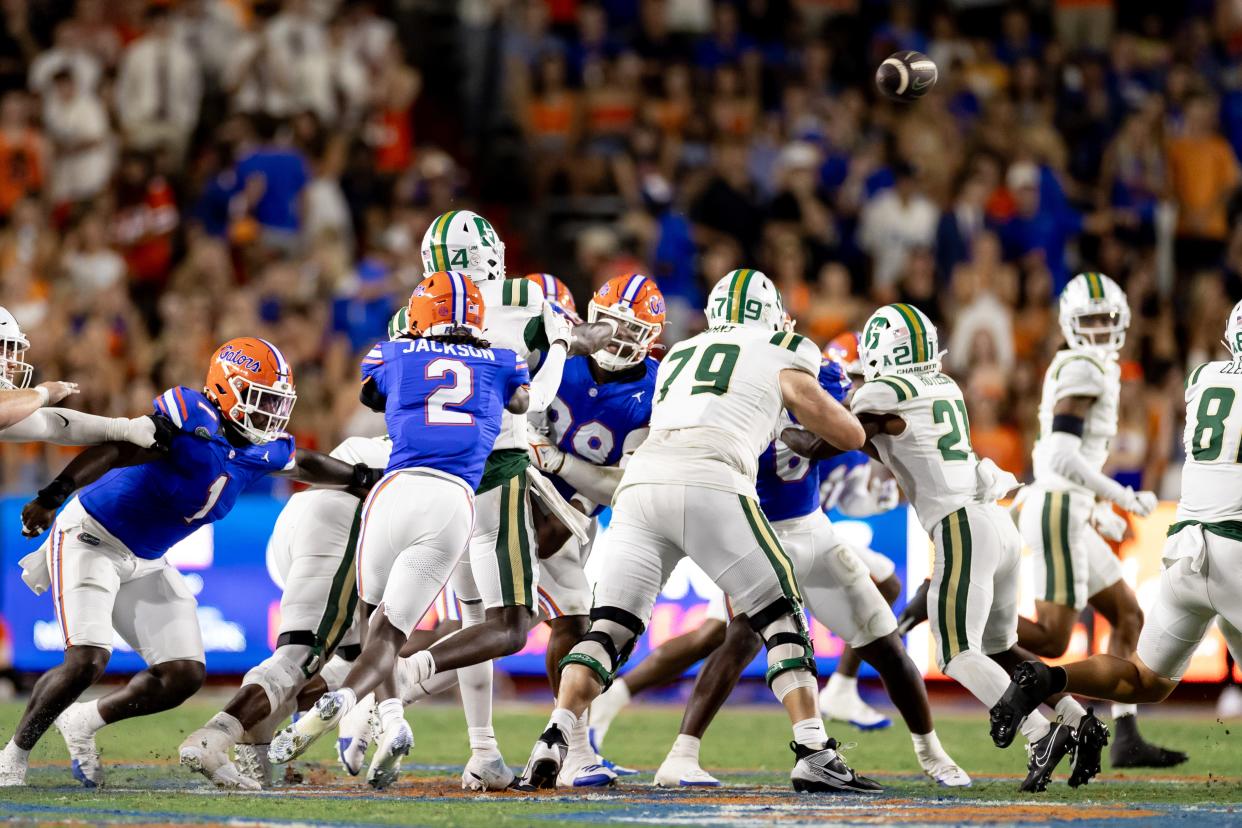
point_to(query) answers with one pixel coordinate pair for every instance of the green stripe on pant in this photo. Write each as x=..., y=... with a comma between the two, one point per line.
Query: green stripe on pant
x=772, y=548
x=1058, y=562
x=342, y=597
x=954, y=594
x=513, y=544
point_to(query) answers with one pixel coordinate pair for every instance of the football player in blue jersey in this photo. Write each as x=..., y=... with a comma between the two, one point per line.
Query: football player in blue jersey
x=601, y=414
x=124, y=506
x=840, y=594
x=442, y=393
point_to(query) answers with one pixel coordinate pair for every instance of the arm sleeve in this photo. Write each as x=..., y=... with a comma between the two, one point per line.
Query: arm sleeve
x=373, y=368
x=518, y=378
x=1066, y=460
x=544, y=387
x=66, y=427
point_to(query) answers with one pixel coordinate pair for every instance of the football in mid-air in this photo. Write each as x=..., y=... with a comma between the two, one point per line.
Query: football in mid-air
x=906, y=76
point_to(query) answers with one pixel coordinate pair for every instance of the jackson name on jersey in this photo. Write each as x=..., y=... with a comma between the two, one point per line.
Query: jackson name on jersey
x=932, y=458
x=1078, y=374
x=718, y=401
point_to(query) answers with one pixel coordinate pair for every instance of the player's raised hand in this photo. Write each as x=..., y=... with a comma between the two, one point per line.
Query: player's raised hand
x=57, y=390
x=556, y=325
x=591, y=337
x=546, y=456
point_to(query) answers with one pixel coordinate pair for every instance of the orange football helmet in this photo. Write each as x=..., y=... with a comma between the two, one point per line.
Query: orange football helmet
x=636, y=308
x=556, y=292
x=844, y=349
x=445, y=303
x=252, y=385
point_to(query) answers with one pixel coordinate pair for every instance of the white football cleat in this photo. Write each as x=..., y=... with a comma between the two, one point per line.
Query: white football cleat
x=80, y=740
x=394, y=744
x=486, y=773
x=683, y=772
x=355, y=735
x=293, y=741
x=546, y=758
x=849, y=707
x=253, y=763
x=946, y=772
x=205, y=751
x=12, y=769
x=581, y=769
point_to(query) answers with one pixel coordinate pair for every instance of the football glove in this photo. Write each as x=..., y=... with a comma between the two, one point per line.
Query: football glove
x=1107, y=522
x=544, y=454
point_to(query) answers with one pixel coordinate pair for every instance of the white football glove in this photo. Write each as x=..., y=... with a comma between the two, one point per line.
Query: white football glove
x=885, y=493
x=1138, y=503
x=544, y=454
x=1108, y=523
x=556, y=325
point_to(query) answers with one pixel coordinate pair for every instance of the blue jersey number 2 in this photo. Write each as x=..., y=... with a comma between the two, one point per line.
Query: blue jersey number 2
x=442, y=402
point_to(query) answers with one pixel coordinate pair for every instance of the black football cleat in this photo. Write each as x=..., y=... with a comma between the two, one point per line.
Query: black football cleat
x=1045, y=755
x=1090, y=737
x=1130, y=750
x=824, y=771
x=915, y=612
x=1026, y=691
x=545, y=761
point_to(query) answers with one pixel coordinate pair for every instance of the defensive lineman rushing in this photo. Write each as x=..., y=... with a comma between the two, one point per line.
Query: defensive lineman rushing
x=917, y=426
x=690, y=490
x=1201, y=581
x=1070, y=503
x=104, y=559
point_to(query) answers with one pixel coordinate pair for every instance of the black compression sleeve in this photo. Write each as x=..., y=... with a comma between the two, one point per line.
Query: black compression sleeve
x=1069, y=423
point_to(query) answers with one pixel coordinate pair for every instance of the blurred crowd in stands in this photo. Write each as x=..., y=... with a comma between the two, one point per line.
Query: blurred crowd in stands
x=176, y=173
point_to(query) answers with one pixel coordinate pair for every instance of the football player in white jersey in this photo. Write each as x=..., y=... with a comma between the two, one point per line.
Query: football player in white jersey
x=690, y=490
x=311, y=556
x=496, y=584
x=917, y=425
x=1070, y=503
x=1201, y=581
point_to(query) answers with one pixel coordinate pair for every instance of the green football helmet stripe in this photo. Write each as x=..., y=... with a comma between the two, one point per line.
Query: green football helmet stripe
x=737, y=295
x=917, y=330
x=441, y=261
x=1095, y=285
x=400, y=323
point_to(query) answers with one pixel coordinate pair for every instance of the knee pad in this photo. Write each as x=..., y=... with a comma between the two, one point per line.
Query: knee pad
x=608, y=644
x=335, y=671
x=791, y=659
x=282, y=673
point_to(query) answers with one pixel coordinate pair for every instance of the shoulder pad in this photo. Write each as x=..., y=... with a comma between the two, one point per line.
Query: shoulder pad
x=189, y=411
x=1193, y=376
x=1079, y=375
x=804, y=354
x=521, y=293
x=882, y=395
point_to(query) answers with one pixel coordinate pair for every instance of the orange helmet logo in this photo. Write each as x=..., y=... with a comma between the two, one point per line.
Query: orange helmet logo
x=636, y=308
x=556, y=292
x=844, y=349
x=445, y=303
x=252, y=384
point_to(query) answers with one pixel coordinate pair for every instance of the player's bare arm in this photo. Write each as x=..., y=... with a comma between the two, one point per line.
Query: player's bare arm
x=819, y=413
x=16, y=404
x=318, y=469
x=87, y=467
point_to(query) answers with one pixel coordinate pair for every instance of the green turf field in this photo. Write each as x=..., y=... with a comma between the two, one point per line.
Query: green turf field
x=747, y=747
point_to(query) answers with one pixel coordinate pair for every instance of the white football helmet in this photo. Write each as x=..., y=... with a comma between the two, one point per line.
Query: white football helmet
x=465, y=242
x=898, y=339
x=745, y=297
x=1094, y=313
x=15, y=371
x=399, y=325
x=1233, y=331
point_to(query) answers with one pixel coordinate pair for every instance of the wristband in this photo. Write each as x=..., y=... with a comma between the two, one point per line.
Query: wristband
x=44, y=395
x=54, y=494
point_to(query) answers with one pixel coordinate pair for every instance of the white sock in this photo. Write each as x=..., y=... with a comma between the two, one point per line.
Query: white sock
x=927, y=745
x=421, y=666
x=12, y=751
x=483, y=741
x=1035, y=727
x=94, y=721
x=1070, y=711
x=432, y=686
x=1120, y=710
x=621, y=690
x=579, y=741
x=687, y=746
x=565, y=719
x=810, y=733
x=390, y=712
x=842, y=685
x=227, y=724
